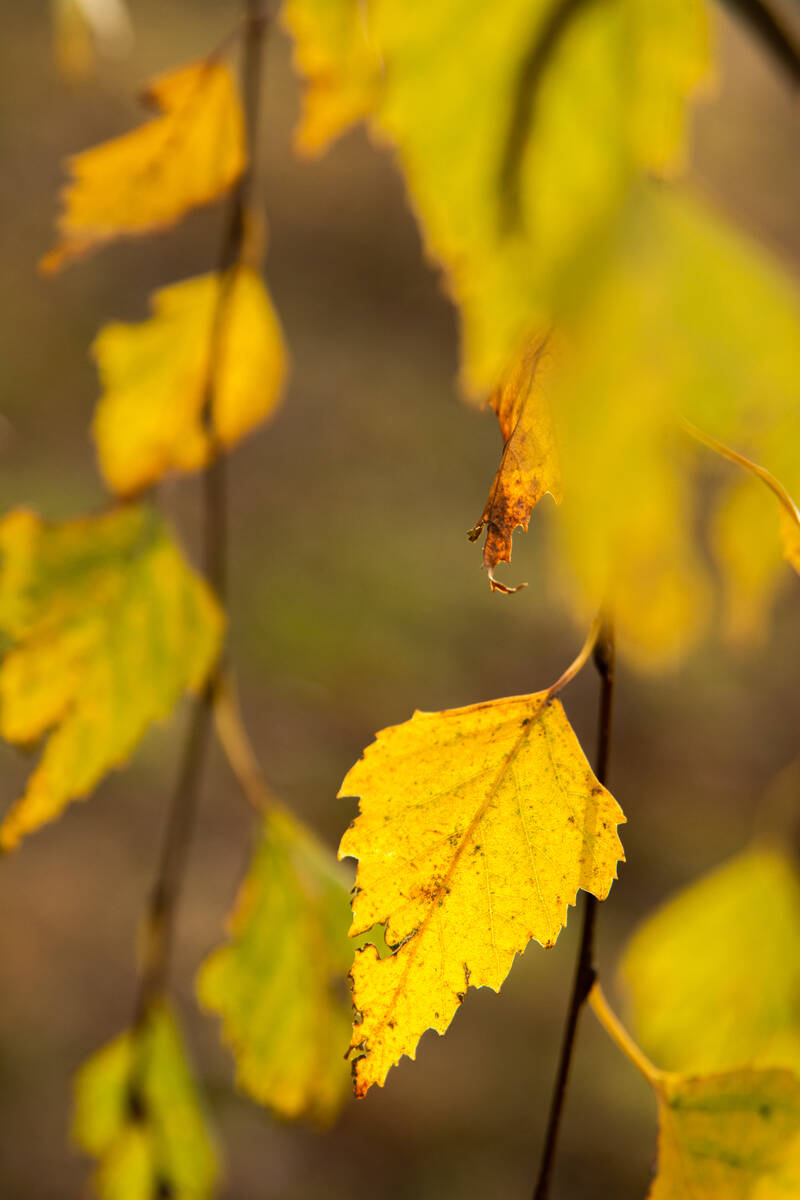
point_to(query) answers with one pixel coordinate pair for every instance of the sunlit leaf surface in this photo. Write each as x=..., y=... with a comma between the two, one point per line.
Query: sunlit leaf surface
x=212, y=341
x=477, y=827
x=148, y=178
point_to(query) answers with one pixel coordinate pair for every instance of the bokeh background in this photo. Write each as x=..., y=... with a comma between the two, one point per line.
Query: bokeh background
x=355, y=597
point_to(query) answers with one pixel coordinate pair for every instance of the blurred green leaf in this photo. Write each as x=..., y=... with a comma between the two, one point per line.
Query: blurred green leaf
x=278, y=984
x=137, y=1112
x=107, y=625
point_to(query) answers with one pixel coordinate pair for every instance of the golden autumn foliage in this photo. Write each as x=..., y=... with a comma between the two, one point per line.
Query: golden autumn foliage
x=333, y=51
x=277, y=984
x=137, y=1112
x=212, y=341
x=105, y=626
x=477, y=828
x=147, y=179
x=621, y=330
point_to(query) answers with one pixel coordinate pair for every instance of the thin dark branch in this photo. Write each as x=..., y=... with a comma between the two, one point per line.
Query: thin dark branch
x=159, y=917
x=771, y=32
x=585, y=971
x=541, y=50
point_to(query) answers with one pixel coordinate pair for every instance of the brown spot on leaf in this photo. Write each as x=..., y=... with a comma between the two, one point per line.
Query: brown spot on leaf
x=529, y=466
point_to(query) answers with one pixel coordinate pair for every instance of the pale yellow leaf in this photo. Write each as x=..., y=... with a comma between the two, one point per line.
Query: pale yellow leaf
x=333, y=50
x=608, y=103
x=212, y=341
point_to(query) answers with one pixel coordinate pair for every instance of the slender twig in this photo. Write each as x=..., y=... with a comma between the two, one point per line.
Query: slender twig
x=619, y=1034
x=579, y=661
x=238, y=749
x=775, y=486
x=159, y=917
x=585, y=972
x=772, y=34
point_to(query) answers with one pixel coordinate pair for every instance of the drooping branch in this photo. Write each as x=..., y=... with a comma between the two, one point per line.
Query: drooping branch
x=237, y=242
x=585, y=972
x=765, y=26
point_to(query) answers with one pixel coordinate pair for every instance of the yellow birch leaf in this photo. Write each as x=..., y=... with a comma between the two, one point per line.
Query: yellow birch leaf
x=477, y=827
x=728, y=1137
x=106, y=625
x=334, y=53
x=136, y=1110
x=147, y=179
x=212, y=336
x=274, y=984
x=529, y=464
x=714, y=975
x=606, y=104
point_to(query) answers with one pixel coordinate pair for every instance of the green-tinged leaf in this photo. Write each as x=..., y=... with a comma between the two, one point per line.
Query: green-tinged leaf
x=278, y=984
x=138, y=1113
x=209, y=337
x=106, y=625
x=714, y=975
x=729, y=1137
x=604, y=103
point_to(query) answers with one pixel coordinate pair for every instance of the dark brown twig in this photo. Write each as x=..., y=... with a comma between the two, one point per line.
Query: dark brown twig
x=770, y=31
x=585, y=972
x=160, y=913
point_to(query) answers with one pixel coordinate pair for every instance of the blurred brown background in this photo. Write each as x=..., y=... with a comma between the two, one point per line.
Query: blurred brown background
x=355, y=598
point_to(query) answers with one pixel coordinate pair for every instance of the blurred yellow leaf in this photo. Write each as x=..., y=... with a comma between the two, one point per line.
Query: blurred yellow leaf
x=529, y=464
x=105, y=625
x=148, y=178
x=137, y=1112
x=729, y=1137
x=477, y=827
x=333, y=51
x=274, y=984
x=746, y=537
x=212, y=336
x=688, y=320
x=72, y=40
x=604, y=104
x=714, y=975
